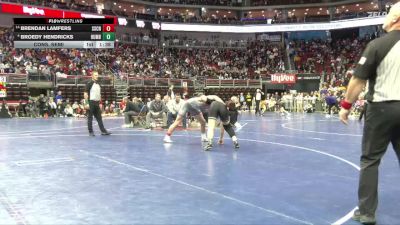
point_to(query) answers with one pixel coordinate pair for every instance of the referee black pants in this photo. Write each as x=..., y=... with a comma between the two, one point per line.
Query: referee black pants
x=382, y=127
x=94, y=110
x=258, y=107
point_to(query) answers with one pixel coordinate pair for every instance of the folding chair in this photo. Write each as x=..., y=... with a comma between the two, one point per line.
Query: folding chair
x=140, y=119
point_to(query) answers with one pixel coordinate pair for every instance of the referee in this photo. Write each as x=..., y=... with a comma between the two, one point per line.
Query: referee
x=380, y=67
x=93, y=94
x=258, y=96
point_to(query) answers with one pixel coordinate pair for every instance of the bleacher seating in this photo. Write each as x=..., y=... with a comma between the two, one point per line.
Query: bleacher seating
x=16, y=92
x=226, y=93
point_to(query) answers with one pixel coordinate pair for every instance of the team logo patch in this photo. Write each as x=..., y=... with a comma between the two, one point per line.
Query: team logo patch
x=362, y=60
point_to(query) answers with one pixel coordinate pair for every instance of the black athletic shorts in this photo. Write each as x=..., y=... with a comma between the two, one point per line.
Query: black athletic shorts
x=233, y=115
x=218, y=110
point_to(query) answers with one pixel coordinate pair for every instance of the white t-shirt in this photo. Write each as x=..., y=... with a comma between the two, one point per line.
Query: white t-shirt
x=258, y=96
x=95, y=94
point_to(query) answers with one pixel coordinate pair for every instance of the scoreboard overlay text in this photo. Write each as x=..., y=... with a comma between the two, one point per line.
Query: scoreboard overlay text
x=64, y=33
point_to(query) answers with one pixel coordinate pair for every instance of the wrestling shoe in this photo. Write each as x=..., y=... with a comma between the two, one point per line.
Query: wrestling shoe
x=208, y=146
x=364, y=219
x=167, y=139
x=236, y=145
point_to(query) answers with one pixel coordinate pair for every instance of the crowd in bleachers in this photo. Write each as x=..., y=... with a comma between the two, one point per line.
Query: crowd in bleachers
x=151, y=61
x=186, y=17
x=44, y=62
x=199, y=2
x=335, y=61
x=184, y=41
x=283, y=2
x=332, y=59
x=146, y=61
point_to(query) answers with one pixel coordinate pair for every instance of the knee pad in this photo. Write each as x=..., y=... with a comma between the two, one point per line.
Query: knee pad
x=229, y=129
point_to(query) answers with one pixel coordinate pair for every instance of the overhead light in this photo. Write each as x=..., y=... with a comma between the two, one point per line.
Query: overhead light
x=358, y=5
x=307, y=10
x=120, y=6
x=294, y=10
x=250, y=12
x=275, y=10
x=320, y=8
x=224, y=15
x=262, y=11
x=361, y=8
x=187, y=10
x=83, y=1
x=170, y=9
x=131, y=6
x=95, y=0
x=263, y=15
x=305, y=13
x=318, y=13
x=229, y=12
x=124, y=9
x=372, y=3
x=342, y=6
x=217, y=11
x=347, y=10
x=115, y=3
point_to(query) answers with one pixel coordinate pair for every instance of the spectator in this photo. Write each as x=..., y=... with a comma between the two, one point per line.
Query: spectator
x=249, y=99
x=132, y=109
x=157, y=110
x=173, y=108
x=69, y=112
x=52, y=108
x=331, y=101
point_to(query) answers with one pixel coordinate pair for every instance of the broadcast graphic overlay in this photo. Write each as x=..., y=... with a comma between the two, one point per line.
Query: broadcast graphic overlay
x=64, y=33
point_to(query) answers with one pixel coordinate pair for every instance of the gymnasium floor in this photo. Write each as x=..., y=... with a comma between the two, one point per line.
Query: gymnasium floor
x=298, y=171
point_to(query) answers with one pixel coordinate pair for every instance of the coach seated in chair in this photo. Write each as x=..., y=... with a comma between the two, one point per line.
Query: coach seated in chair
x=157, y=110
x=132, y=108
x=174, y=106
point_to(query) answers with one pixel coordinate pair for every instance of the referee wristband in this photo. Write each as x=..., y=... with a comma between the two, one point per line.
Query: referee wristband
x=346, y=105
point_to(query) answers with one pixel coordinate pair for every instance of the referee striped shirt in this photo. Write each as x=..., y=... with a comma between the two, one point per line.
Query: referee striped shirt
x=380, y=65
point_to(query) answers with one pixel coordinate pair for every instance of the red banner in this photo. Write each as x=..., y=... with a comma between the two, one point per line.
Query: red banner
x=283, y=78
x=47, y=12
x=30, y=10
